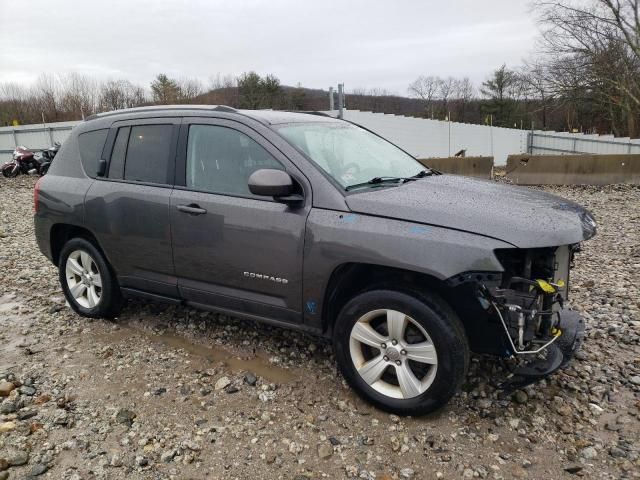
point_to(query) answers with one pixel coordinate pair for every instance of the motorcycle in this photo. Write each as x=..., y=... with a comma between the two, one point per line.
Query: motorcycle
x=46, y=157
x=23, y=161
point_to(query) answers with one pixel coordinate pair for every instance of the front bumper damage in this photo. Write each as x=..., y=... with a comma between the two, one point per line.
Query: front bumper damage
x=532, y=367
x=524, y=312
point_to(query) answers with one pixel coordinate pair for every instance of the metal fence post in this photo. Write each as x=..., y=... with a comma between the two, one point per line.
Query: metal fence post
x=530, y=140
x=449, y=122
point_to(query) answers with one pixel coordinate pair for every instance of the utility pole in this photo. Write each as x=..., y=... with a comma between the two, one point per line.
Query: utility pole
x=341, y=100
x=44, y=126
x=331, y=98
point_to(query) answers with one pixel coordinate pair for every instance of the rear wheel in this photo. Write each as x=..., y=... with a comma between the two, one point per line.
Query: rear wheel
x=405, y=352
x=87, y=281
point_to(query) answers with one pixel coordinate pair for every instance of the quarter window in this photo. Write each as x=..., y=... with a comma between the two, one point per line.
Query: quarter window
x=91, y=145
x=147, y=158
x=220, y=160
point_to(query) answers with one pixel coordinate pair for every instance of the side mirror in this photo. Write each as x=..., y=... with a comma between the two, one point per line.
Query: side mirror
x=274, y=183
x=269, y=182
x=102, y=167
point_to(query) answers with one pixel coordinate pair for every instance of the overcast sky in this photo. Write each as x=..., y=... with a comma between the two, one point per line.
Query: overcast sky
x=363, y=43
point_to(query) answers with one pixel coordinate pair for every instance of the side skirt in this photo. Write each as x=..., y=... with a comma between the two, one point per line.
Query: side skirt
x=134, y=293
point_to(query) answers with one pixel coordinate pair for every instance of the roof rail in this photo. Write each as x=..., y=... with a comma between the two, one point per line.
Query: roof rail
x=312, y=112
x=159, y=108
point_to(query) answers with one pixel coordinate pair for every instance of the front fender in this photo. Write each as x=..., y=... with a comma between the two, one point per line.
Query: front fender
x=335, y=238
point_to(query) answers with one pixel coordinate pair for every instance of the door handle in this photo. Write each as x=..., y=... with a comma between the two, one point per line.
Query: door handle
x=192, y=209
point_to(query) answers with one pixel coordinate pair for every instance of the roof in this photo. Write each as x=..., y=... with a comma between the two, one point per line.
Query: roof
x=268, y=117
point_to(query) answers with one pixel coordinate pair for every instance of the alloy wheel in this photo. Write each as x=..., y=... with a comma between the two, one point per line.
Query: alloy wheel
x=83, y=279
x=393, y=353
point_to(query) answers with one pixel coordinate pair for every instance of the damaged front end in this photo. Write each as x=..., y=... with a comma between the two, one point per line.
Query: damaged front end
x=525, y=307
x=529, y=302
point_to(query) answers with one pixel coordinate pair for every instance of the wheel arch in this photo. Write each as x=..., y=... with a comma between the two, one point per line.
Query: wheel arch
x=350, y=279
x=61, y=233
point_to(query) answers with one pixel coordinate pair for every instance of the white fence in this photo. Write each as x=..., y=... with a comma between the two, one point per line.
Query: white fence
x=425, y=138
x=559, y=143
x=419, y=136
x=36, y=137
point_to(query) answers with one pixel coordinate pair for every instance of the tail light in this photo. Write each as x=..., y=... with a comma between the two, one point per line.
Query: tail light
x=36, y=195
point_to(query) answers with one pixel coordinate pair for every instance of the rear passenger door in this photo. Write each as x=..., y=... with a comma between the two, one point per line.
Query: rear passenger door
x=128, y=208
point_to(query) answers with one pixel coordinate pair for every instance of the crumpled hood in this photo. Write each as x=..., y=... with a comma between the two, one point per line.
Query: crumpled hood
x=521, y=216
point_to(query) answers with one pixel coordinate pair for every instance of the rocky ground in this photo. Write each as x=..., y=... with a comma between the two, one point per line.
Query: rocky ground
x=169, y=392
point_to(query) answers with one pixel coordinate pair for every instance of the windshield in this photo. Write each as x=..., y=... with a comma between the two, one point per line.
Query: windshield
x=350, y=154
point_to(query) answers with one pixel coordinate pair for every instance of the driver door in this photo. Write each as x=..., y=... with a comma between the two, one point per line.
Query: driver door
x=232, y=249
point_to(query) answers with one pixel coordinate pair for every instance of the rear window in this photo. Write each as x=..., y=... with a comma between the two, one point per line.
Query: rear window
x=148, y=152
x=91, y=145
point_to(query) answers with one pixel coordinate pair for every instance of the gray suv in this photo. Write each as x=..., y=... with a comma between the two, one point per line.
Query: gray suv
x=309, y=222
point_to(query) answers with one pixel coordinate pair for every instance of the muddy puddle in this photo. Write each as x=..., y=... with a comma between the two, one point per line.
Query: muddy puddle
x=10, y=353
x=11, y=348
x=8, y=305
x=205, y=356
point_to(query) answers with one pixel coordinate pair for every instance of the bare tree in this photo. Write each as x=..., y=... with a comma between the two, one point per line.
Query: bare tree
x=118, y=94
x=446, y=89
x=425, y=88
x=190, y=89
x=464, y=92
x=599, y=41
x=79, y=95
x=46, y=97
x=13, y=100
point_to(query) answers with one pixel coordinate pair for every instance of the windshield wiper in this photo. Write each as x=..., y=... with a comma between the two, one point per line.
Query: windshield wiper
x=421, y=174
x=376, y=181
x=386, y=180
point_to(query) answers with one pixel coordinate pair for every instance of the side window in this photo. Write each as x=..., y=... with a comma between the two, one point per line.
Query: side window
x=220, y=160
x=116, y=165
x=91, y=145
x=148, y=151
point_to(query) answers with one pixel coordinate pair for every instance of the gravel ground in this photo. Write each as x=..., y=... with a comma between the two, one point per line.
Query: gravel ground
x=170, y=392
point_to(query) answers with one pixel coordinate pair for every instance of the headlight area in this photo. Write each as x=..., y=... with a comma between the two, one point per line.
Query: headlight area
x=531, y=295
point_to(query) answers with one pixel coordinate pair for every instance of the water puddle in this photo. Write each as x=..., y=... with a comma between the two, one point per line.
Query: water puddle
x=258, y=364
x=7, y=303
x=10, y=353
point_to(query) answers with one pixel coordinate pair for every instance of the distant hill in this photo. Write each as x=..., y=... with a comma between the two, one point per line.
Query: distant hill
x=300, y=98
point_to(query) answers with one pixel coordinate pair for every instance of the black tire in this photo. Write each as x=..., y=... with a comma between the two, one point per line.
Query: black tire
x=8, y=171
x=111, y=301
x=44, y=169
x=441, y=324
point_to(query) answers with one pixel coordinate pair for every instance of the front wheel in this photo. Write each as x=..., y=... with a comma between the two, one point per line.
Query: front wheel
x=10, y=171
x=88, y=283
x=404, y=352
